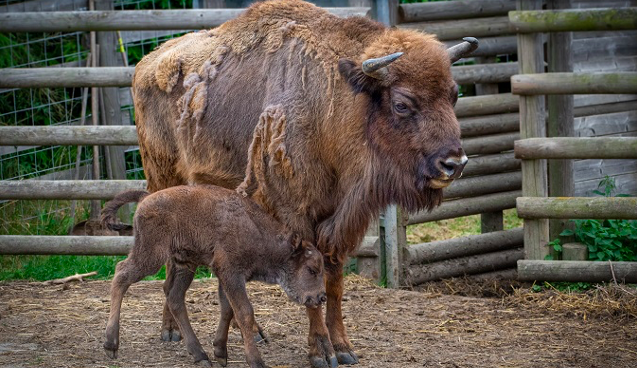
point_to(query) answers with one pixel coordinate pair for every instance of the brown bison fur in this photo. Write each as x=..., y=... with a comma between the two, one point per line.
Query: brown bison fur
x=279, y=94
x=215, y=227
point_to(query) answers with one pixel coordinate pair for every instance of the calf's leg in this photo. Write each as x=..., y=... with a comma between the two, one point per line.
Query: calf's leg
x=221, y=337
x=169, y=328
x=176, y=302
x=127, y=272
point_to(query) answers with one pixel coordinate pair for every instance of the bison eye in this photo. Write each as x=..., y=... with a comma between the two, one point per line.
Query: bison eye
x=401, y=108
x=312, y=271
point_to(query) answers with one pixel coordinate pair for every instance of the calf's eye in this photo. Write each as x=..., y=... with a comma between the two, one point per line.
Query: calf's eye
x=401, y=108
x=312, y=271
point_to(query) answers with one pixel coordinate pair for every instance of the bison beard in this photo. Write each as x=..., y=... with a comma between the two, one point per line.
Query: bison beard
x=280, y=97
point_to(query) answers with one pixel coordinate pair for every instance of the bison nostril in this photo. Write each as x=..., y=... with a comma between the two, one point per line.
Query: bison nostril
x=448, y=167
x=323, y=298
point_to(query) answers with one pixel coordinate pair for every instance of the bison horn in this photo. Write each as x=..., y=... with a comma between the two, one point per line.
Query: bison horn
x=377, y=68
x=461, y=50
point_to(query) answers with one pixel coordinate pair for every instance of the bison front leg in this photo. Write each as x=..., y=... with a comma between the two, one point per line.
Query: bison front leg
x=321, y=351
x=334, y=316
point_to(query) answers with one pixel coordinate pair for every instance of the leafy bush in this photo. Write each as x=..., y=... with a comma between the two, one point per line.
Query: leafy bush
x=607, y=240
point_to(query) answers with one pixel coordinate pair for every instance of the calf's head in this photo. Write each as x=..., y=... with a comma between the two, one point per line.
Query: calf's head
x=411, y=94
x=303, y=281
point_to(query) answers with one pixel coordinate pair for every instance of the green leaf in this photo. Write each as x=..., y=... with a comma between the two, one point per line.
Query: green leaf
x=567, y=232
x=557, y=247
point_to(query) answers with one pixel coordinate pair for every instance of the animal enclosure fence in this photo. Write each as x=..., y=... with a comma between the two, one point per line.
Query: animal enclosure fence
x=489, y=122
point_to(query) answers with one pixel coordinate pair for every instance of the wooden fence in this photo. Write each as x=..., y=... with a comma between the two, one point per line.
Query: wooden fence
x=535, y=207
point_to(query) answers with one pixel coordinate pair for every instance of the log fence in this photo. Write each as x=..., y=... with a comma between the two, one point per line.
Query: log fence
x=535, y=207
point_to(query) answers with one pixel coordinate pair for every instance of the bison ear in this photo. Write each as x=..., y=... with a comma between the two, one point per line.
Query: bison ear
x=357, y=79
x=295, y=240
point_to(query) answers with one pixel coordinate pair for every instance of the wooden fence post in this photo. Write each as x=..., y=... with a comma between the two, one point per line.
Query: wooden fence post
x=560, y=118
x=532, y=124
x=395, y=242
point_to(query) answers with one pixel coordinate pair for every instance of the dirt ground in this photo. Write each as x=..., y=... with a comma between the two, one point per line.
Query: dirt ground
x=63, y=326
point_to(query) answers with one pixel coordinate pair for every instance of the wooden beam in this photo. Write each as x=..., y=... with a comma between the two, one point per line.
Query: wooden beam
x=577, y=271
x=494, y=143
x=66, y=245
x=456, y=29
x=574, y=20
x=491, y=46
x=71, y=21
x=484, y=73
x=66, y=77
x=577, y=207
x=395, y=220
x=66, y=189
x=464, y=246
x=491, y=164
x=489, y=124
x=467, y=206
x=577, y=148
x=370, y=247
x=68, y=135
x=574, y=83
x=486, y=105
x=463, y=266
x=451, y=10
x=484, y=184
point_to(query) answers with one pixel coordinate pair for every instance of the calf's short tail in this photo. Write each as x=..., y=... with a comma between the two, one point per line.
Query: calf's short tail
x=109, y=212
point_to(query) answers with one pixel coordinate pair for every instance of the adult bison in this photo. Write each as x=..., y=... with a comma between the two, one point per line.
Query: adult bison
x=337, y=118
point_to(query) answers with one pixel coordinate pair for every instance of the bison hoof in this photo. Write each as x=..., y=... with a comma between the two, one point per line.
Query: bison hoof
x=170, y=335
x=319, y=362
x=111, y=353
x=204, y=363
x=260, y=338
x=223, y=361
x=346, y=357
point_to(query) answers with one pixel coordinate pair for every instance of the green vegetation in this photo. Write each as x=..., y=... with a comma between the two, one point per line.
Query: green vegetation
x=607, y=240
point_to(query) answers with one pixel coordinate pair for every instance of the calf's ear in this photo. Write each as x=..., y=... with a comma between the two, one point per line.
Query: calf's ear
x=356, y=78
x=295, y=240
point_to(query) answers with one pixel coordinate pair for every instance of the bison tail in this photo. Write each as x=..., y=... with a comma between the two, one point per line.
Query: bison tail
x=109, y=212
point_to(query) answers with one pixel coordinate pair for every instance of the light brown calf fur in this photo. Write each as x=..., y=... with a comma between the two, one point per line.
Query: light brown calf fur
x=215, y=227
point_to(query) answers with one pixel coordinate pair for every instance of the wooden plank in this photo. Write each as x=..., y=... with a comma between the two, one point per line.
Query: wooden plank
x=607, y=124
x=604, y=48
x=573, y=20
x=495, y=143
x=44, y=5
x=484, y=73
x=66, y=77
x=577, y=208
x=489, y=124
x=486, y=184
x=491, y=164
x=395, y=243
x=574, y=83
x=533, y=124
x=576, y=148
x=70, y=21
x=68, y=135
x=386, y=12
x=486, y=105
x=464, y=246
x=370, y=247
x=596, y=169
x=456, y=29
x=67, y=189
x=624, y=183
x=491, y=46
x=467, y=206
x=464, y=266
x=66, y=245
x=577, y=271
x=452, y=10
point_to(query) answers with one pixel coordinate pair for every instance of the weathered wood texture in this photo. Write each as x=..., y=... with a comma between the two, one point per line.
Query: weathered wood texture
x=66, y=189
x=575, y=252
x=468, y=206
x=577, y=271
x=572, y=20
x=395, y=221
x=491, y=164
x=576, y=148
x=463, y=266
x=490, y=143
x=574, y=83
x=66, y=245
x=484, y=73
x=70, y=21
x=486, y=105
x=484, y=184
x=464, y=246
x=66, y=77
x=418, y=12
x=577, y=208
x=489, y=124
x=456, y=29
x=68, y=135
x=490, y=46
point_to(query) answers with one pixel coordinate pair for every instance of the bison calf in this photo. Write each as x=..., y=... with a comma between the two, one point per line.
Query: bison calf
x=218, y=228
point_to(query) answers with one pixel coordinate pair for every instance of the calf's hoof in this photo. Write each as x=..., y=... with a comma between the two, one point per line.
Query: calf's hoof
x=204, y=363
x=223, y=361
x=346, y=357
x=110, y=349
x=170, y=335
x=320, y=362
x=260, y=338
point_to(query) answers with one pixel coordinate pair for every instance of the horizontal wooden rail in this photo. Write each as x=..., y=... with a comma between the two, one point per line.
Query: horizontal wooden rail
x=574, y=83
x=484, y=184
x=123, y=76
x=487, y=105
x=574, y=20
x=66, y=77
x=467, y=206
x=419, y=12
x=577, y=207
x=491, y=46
x=417, y=274
x=130, y=20
x=68, y=135
x=577, y=271
x=484, y=73
x=577, y=148
x=66, y=189
x=489, y=124
x=490, y=143
x=491, y=164
x=104, y=245
x=456, y=29
x=464, y=246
